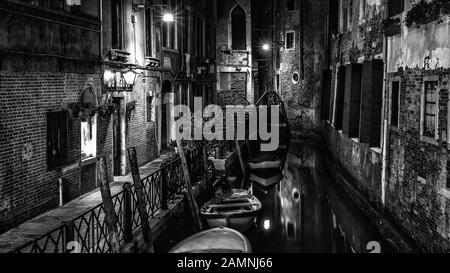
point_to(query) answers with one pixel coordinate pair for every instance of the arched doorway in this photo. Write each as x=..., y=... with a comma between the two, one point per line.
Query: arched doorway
x=165, y=113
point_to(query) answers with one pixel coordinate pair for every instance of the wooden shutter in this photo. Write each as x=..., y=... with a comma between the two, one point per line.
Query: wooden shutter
x=326, y=92
x=340, y=93
x=352, y=100
x=371, y=99
x=56, y=139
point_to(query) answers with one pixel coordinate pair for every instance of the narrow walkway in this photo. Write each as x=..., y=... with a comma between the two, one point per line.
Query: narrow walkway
x=50, y=220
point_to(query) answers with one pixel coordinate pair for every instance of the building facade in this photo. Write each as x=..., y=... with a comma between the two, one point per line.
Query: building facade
x=299, y=54
x=234, y=48
x=385, y=109
x=81, y=80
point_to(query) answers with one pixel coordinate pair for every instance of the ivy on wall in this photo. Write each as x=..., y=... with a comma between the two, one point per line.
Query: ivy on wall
x=424, y=12
x=372, y=34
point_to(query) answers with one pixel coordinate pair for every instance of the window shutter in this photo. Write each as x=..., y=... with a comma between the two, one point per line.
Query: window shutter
x=371, y=100
x=366, y=89
x=56, y=139
x=326, y=91
x=352, y=100
x=340, y=92
x=376, y=103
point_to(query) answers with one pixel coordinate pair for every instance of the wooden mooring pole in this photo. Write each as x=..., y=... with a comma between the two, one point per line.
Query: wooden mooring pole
x=241, y=161
x=108, y=206
x=140, y=202
x=195, y=212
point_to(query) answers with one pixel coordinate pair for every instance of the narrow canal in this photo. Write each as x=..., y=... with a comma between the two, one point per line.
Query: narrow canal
x=307, y=212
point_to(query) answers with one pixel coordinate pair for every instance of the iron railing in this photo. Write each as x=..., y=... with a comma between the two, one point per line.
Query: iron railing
x=88, y=232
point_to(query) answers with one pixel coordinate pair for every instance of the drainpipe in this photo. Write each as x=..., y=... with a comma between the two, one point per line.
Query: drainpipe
x=60, y=187
x=385, y=121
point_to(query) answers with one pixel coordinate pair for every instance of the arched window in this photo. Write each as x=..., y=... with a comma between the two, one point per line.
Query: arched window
x=238, y=29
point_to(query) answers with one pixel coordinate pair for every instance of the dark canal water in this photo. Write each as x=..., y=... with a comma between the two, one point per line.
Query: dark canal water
x=307, y=212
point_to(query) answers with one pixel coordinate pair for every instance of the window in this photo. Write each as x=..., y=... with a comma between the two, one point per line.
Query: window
x=429, y=109
x=89, y=138
x=340, y=94
x=186, y=31
x=199, y=36
x=149, y=108
x=334, y=16
x=238, y=29
x=395, y=7
x=395, y=103
x=290, y=40
x=56, y=139
x=290, y=5
x=148, y=32
x=116, y=24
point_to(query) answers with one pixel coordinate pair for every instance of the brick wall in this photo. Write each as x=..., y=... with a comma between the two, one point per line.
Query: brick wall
x=354, y=44
x=418, y=170
x=27, y=188
x=306, y=59
x=140, y=132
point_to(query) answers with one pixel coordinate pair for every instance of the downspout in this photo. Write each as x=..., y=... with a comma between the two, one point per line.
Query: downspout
x=385, y=120
x=60, y=187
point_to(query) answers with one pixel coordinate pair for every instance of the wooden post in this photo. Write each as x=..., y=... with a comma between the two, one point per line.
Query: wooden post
x=140, y=202
x=191, y=200
x=205, y=161
x=108, y=206
x=127, y=213
x=69, y=232
x=164, y=188
x=241, y=161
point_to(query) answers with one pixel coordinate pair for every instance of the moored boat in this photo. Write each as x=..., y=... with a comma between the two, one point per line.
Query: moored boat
x=266, y=177
x=217, y=240
x=264, y=161
x=236, y=209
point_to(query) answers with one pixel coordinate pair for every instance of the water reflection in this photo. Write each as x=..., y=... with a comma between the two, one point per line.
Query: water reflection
x=305, y=212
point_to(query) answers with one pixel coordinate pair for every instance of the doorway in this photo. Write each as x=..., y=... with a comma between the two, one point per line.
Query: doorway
x=117, y=139
x=165, y=114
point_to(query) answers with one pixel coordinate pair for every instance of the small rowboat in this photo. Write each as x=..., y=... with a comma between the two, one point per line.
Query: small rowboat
x=265, y=161
x=266, y=177
x=217, y=240
x=236, y=209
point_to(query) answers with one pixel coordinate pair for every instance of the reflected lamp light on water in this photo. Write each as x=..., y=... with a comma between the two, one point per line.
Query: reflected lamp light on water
x=266, y=224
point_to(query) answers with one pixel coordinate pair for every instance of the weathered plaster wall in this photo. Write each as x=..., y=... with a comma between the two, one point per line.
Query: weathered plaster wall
x=427, y=47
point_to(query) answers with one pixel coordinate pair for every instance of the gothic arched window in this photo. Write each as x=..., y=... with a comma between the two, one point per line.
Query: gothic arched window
x=238, y=29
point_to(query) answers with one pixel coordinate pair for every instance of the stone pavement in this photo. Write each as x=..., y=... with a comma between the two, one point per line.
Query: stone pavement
x=50, y=220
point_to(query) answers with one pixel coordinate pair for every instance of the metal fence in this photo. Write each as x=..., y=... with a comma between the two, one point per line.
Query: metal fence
x=88, y=232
